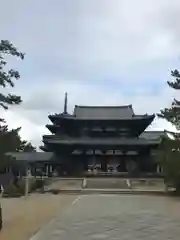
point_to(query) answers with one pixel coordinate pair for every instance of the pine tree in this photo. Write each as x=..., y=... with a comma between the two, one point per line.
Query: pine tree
x=10, y=141
x=169, y=151
x=172, y=114
x=7, y=77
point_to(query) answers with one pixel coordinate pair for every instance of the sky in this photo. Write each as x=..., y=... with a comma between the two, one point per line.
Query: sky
x=102, y=52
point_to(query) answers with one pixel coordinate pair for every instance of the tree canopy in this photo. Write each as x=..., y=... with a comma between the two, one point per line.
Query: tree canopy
x=7, y=76
x=169, y=151
x=172, y=114
x=11, y=141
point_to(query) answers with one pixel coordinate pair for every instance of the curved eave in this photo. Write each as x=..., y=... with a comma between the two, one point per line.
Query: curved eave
x=143, y=122
x=104, y=142
x=54, y=118
x=52, y=128
x=44, y=148
x=57, y=117
x=151, y=116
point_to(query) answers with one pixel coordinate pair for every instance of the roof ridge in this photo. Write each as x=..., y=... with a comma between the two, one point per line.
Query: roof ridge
x=154, y=131
x=102, y=106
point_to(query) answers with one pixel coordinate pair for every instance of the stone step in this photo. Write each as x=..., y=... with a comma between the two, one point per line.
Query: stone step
x=107, y=184
x=119, y=183
x=122, y=191
x=113, y=191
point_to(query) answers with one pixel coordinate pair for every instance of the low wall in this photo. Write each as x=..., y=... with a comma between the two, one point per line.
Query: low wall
x=6, y=179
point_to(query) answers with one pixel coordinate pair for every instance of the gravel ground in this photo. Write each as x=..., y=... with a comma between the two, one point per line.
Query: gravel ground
x=22, y=217
x=115, y=217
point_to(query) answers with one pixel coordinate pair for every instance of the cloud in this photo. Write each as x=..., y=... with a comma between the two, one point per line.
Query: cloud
x=102, y=52
x=29, y=131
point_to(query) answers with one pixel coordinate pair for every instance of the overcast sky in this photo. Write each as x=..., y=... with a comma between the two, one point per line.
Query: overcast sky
x=102, y=52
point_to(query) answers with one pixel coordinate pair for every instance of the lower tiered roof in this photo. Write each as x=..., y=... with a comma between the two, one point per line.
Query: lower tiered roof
x=99, y=141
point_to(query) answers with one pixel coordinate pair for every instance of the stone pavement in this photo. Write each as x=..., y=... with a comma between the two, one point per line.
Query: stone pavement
x=124, y=217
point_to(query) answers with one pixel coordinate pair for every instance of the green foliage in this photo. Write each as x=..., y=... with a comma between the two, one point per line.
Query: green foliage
x=12, y=191
x=26, y=146
x=7, y=77
x=169, y=152
x=10, y=141
x=21, y=185
x=168, y=156
x=19, y=189
x=40, y=183
x=172, y=114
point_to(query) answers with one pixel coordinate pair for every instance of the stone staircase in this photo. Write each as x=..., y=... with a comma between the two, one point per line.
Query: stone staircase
x=106, y=183
x=108, y=186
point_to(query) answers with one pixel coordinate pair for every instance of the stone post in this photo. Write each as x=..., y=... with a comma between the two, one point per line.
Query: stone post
x=1, y=195
x=47, y=170
x=50, y=168
x=84, y=183
x=165, y=187
x=26, y=182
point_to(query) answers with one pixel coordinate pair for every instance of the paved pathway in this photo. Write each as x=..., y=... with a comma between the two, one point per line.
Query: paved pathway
x=22, y=217
x=124, y=217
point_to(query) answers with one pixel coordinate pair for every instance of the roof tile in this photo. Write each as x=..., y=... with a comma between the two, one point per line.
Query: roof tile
x=104, y=112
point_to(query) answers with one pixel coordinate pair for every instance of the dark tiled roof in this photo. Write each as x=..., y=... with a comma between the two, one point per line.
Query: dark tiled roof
x=104, y=112
x=150, y=135
x=31, y=156
x=53, y=118
x=89, y=113
x=103, y=141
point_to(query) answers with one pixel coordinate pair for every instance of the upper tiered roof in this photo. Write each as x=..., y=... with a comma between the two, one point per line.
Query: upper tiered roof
x=103, y=112
x=100, y=117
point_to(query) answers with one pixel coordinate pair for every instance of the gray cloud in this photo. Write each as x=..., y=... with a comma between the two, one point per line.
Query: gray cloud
x=100, y=51
x=92, y=38
x=49, y=100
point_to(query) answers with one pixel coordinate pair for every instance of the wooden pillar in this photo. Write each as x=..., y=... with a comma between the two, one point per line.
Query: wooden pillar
x=85, y=164
x=47, y=169
x=94, y=158
x=103, y=164
x=123, y=160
